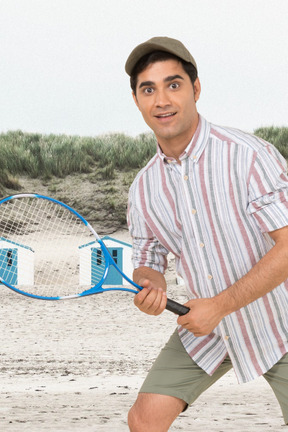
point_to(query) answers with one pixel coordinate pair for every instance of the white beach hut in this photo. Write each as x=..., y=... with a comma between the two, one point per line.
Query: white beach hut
x=91, y=253
x=16, y=263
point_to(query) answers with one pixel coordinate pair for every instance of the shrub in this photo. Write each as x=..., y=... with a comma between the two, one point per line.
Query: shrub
x=277, y=136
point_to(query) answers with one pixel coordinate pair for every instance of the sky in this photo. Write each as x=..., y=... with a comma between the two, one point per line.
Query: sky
x=62, y=61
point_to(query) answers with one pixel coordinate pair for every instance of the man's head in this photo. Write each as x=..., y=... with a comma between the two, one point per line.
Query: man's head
x=159, y=49
x=165, y=89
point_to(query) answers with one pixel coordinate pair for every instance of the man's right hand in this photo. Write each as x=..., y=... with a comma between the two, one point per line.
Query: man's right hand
x=151, y=299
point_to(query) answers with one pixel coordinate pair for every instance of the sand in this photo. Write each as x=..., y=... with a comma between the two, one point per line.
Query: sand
x=76, y=365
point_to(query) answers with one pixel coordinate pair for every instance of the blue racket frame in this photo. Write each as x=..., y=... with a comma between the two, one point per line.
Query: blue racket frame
x=172, y=306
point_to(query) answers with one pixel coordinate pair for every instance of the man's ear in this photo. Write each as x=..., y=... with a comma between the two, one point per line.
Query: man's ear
x=197, y=89
x=135, y=99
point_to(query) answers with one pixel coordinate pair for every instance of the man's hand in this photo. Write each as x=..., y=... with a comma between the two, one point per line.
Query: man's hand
x=151, y=300
x=205, y=314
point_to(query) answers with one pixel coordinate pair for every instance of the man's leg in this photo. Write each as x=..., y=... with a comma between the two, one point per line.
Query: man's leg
x=277, y=377
x=174, y=382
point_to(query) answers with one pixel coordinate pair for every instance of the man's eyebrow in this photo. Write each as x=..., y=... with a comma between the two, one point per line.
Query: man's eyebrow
x=146, y=84
x=167, y=79
x=173, y=77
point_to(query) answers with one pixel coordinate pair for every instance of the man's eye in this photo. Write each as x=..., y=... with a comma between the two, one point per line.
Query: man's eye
x=148, y=90
x=174, y=86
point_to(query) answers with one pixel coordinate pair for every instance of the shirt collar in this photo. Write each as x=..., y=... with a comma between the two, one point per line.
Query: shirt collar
x=196, y=146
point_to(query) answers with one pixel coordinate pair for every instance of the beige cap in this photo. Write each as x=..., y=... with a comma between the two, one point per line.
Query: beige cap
x=161, y=43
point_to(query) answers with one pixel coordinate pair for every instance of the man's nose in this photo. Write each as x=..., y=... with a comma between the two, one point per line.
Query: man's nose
x=162, y=98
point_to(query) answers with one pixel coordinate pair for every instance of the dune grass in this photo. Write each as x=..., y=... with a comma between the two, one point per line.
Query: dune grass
x=47, y=156
x=277, y=136
x=59, y=155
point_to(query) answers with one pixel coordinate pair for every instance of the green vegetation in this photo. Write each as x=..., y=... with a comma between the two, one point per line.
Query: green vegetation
x=92, y=174
x=277, y=136
x=47, y=156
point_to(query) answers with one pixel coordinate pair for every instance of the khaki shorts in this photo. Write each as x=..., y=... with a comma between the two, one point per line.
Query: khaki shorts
x=175, y=374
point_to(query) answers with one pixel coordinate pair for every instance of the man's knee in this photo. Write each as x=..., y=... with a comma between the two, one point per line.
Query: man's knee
x=153, y=412
x=135, y=421
x=131, y=419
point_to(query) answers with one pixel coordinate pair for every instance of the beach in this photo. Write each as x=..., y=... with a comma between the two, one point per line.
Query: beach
x=76, y=365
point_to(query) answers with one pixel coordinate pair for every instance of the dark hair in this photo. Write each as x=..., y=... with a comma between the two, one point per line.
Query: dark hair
x=154, y=57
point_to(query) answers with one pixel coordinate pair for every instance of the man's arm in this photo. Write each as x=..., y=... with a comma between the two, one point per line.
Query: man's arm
x=152, y=299
x=268, y=273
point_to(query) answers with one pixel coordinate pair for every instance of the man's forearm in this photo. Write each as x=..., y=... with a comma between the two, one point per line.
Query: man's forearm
x=267, y=274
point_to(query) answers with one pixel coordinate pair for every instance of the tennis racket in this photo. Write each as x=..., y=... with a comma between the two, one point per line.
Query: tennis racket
x=49, y=251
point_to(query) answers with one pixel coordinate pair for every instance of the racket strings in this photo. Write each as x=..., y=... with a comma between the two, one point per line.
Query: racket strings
x=42, y=249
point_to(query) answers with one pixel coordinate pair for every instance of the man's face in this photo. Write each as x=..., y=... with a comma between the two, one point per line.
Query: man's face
x=167, y=102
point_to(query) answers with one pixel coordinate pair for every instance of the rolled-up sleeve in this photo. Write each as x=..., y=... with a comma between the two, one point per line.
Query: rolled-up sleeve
x=146, y=249
x=268, y=190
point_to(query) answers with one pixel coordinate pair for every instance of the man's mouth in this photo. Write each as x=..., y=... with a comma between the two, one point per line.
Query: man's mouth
x=165, y=115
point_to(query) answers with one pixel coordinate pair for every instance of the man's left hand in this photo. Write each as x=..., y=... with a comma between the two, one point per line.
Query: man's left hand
x=203, y=317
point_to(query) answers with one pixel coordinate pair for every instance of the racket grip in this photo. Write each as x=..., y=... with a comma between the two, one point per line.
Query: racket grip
x=176, y=308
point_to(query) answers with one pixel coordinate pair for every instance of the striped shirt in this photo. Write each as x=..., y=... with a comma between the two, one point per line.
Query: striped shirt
x=214, y=212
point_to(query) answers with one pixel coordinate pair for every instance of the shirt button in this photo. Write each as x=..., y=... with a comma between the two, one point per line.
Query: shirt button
x=227, y=337
x=194, y=211
x=185, y=177
x=210, y=277
x=202, y=245
x=194, y=157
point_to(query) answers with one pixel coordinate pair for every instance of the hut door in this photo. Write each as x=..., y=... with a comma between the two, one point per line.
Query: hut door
x=113, y=277
x=9, y=265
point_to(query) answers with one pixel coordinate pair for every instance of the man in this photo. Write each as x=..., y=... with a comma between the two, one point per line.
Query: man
x=216, y=198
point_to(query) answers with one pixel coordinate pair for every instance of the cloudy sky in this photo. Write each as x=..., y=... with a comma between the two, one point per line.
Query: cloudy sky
x=62, y=61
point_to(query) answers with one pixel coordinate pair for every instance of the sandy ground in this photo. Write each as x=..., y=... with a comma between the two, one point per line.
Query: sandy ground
x=76, y=365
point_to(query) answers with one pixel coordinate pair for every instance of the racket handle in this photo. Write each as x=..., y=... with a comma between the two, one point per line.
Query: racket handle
x=176, y=308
